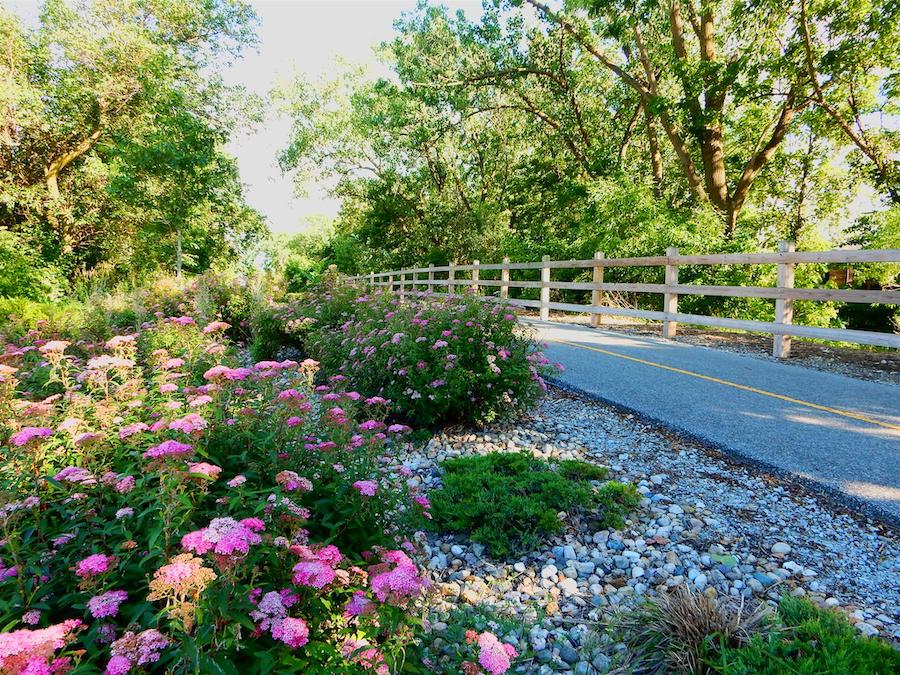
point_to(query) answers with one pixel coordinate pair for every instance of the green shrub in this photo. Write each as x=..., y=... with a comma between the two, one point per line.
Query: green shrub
x=439, y=360
x=576, y=469
x=506, y=501
x=616, y=501
x=813, y=640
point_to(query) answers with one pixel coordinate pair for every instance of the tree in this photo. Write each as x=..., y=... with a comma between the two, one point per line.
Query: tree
x=727, y=79
x=94, y=86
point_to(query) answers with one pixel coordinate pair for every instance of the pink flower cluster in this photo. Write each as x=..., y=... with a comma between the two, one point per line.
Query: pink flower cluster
x=494, y=656
x=397, y=579
x=169, y=448
x=316, y=566
x=225, y=536
x=135, y=649
x=290, y=481
x=106, y=604
x=93, y=565
x=29, y=652
x=29, y=434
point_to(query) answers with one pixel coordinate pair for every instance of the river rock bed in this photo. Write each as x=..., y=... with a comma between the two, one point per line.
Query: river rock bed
x=718, y=526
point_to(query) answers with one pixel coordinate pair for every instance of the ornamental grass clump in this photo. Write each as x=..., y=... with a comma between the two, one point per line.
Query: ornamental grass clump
x=164, y=508
x=437, y=359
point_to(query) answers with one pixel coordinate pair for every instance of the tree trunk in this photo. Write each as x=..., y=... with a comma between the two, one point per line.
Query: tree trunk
x=178, y=252
x=655, y=153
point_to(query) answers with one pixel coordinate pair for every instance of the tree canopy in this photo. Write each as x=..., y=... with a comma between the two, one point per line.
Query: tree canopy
x=620, y=125
x=113, y=115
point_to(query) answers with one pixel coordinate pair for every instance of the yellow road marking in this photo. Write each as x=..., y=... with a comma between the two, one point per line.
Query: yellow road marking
x=744, y=387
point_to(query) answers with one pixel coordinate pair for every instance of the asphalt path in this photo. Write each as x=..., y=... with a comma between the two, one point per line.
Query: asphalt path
x=833, y=432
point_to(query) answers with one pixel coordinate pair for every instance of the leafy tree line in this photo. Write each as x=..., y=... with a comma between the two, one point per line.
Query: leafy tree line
x=113, y=114
x=618, y=125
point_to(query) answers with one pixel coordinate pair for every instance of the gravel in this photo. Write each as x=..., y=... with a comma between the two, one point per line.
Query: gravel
x=721, y=527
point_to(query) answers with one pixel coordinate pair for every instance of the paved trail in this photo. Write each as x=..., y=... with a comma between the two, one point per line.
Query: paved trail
x=839, y=432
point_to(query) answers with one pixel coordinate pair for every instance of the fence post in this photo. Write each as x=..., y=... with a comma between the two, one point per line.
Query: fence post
x=475, y=276
x=545, y=290
x=597, y=294
x=371, y=281
x=402, y=284
x=390, y=283
x=784, y=307
x=430, y=278
x=415, y=280
x=670, y=300
x=450, y=277
x=504, y=279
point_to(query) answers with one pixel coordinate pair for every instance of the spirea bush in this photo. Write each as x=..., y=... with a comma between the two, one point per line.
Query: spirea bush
x=437, y=359
x=165, y=508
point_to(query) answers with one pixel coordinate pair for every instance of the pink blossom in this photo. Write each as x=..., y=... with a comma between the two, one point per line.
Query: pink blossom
x=494, y=656
x=224, y=536
x=136, y=649
x=75, y=475
x=358, y=605
x=54, y=346
x=399, y=429
x=216, y=327
x=189, y=424
x=237, y=481
x=107, y=604
x=205, y=469
x=93, y=565
x=118, y=665
x=370, y=425
x=28, y=434
x=169, y=449
x=125, y=484
x=23, y=651
x=172, y=364
x=291, y=481
x=291, y=631
x=313, y=573
x=32, y=617
x=367, y=488
x=132, y=429
x=393, y=584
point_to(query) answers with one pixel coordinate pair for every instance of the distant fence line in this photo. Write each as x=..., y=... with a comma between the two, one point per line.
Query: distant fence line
x=783, y=293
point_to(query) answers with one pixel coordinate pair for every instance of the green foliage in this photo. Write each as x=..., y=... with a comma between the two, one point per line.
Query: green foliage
x=616, y=500
x=23, y=273
x=506, y=501
x=812, y=640
x=576, y=469
x=439, y=360
x=111, y=161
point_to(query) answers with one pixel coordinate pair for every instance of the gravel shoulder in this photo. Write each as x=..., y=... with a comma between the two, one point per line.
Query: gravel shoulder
x=721, y=527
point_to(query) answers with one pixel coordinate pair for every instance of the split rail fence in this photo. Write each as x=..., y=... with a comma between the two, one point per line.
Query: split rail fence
x=784, y=293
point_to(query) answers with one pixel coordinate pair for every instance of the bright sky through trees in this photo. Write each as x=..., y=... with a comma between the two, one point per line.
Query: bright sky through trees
x=309, y=36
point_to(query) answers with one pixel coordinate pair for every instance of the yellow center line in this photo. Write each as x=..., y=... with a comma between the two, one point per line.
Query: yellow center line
x=744, y=387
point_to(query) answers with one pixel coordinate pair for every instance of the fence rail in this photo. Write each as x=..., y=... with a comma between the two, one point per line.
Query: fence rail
x=784, y=293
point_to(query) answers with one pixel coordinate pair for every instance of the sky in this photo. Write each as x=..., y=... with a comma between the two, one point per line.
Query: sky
x=308, y=36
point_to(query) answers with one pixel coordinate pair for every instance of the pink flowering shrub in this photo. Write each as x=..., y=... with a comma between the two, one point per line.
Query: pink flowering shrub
x=437, y=359
x=170, y=509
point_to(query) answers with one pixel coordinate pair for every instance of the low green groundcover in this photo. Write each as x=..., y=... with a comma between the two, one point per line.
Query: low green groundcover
x=509, y=501
x=808, y=639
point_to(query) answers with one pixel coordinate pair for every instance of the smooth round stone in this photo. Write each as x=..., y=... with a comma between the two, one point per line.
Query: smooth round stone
x=781, y=547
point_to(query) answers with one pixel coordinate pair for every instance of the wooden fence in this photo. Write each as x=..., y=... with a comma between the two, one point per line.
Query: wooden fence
x=783, y=293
